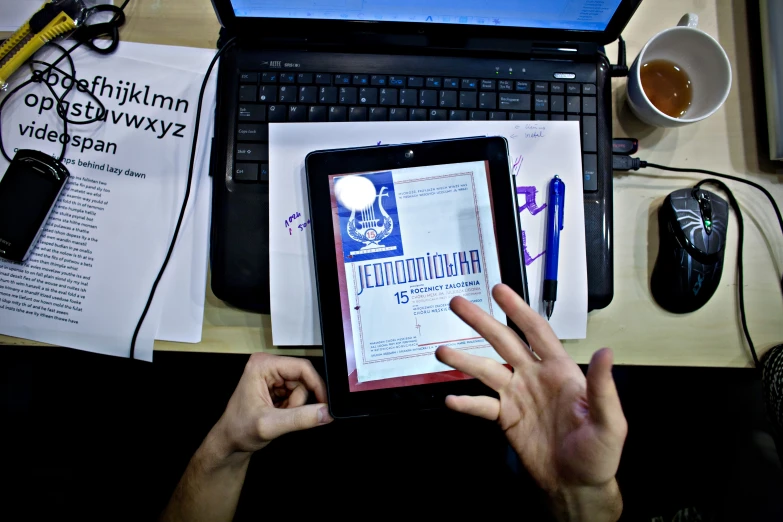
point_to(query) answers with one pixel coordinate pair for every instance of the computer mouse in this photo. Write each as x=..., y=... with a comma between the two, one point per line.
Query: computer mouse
x=692, y=226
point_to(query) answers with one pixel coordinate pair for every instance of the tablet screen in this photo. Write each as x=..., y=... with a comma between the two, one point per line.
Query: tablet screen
x=407, y=242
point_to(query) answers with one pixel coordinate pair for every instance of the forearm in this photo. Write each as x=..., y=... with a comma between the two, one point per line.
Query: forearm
x=588, y=504
x=210, y=487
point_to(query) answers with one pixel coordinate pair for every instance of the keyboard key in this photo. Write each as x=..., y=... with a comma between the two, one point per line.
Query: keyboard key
x=287, y=94
x=415, y=81
x=428, y=98
x=450, y=83
x=458, y=115
x=248, y=77
x=317, y=113
x=263, y=172
x=505, y=85
x=304, y=78
x=467, y=100
x=397, y=114
x=589, y=139
x=252, y=132
x=557, y=103
x=541, y=87
x=388, y=97
x=519, y=116
x=469, y=85
x=253, y=152
x=269, y=77
x=542, y=117
x=342, y=79
x=246, y=172
x=478, y=115
x=497, y=115
x=572, y=88
x=487, y=85
x=337, y=113
x=541, y=103
x=368, y=96
x=247, y=93
x=378, y=80
x=378, y=113
x=357, y=114
x=418, y=114
x=590, y=172
x=347, y=95
x=588, y=105
x=588, y=88
x=360, y=79
x=573, y=105
x=557, y=117
x=488, y=100
x=573, y=117
x=433, y=83
x=250, y=112
x=297, y=113
x=323, y=79
x=438, y=114
x=308, y=94
x=514, y=102
x=327, y=95
x=448, y=99
x=408, y=97
x=396, y=81
x=276, y=113
x=558, y=88
x=288, y=78
x=523, y=86
x=267, y=93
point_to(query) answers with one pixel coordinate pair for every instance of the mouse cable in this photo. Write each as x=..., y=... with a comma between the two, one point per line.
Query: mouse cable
x=204, y=83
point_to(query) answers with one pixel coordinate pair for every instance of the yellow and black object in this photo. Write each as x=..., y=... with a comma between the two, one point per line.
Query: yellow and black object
x=52, y=20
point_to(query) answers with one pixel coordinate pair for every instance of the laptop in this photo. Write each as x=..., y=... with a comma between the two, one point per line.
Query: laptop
x=400, y=60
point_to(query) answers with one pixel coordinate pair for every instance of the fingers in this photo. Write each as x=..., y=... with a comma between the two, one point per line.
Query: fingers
x=278, y=422
x=602, y=398
x=490, y=372
x=298, y=397
x=293, y=369
x=539, y=334
x=507, y=343
x=482, y=406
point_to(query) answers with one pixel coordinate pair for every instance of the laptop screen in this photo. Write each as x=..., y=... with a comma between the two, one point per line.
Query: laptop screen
x=581, y=15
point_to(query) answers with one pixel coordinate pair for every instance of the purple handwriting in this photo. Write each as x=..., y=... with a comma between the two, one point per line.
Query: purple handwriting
x=528, y=259
x=530, y=200
x=290, y=221
x=517, y=165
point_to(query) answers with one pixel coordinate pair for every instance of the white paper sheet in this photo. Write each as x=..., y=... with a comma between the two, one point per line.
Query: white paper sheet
x=538, y=151
x=134, y=228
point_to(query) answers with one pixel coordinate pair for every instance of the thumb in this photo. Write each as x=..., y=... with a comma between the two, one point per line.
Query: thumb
x=285, y=420
x=602, y=398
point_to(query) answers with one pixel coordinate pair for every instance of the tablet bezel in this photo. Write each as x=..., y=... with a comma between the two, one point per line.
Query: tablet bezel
x=319, y=166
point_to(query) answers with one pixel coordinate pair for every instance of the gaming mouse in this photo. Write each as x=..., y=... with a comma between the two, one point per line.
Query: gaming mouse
x=692, y=225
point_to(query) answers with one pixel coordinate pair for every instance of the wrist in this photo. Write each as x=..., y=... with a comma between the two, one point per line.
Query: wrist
x=218, y=451
x=602, y=503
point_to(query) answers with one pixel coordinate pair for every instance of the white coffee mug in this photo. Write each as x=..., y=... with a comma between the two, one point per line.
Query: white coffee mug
x=702, y=58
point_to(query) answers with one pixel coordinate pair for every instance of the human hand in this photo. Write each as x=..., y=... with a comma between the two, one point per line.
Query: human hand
x=269, y=401
x=567, y=430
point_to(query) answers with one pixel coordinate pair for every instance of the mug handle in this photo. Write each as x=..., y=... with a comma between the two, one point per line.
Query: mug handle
x=689, y=20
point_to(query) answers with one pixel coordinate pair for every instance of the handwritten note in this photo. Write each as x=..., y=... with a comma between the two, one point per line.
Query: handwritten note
x=537, y=151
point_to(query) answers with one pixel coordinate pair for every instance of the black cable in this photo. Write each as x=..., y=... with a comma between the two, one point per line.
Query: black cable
x=225, y=46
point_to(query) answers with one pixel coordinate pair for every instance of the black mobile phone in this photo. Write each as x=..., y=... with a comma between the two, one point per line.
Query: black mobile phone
x=28, y=193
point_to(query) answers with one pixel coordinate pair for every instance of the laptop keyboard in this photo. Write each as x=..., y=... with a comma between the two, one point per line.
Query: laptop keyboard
x=277, y=96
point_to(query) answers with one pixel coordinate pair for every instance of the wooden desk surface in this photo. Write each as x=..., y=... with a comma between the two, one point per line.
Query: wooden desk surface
x=633, y=325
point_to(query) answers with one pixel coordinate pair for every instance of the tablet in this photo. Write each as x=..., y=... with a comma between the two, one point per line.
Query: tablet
x=398, y=231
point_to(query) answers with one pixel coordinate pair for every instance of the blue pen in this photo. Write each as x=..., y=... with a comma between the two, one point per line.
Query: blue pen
x=554, y=226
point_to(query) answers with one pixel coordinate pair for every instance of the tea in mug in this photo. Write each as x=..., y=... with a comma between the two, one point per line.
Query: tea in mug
x=667, y=86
